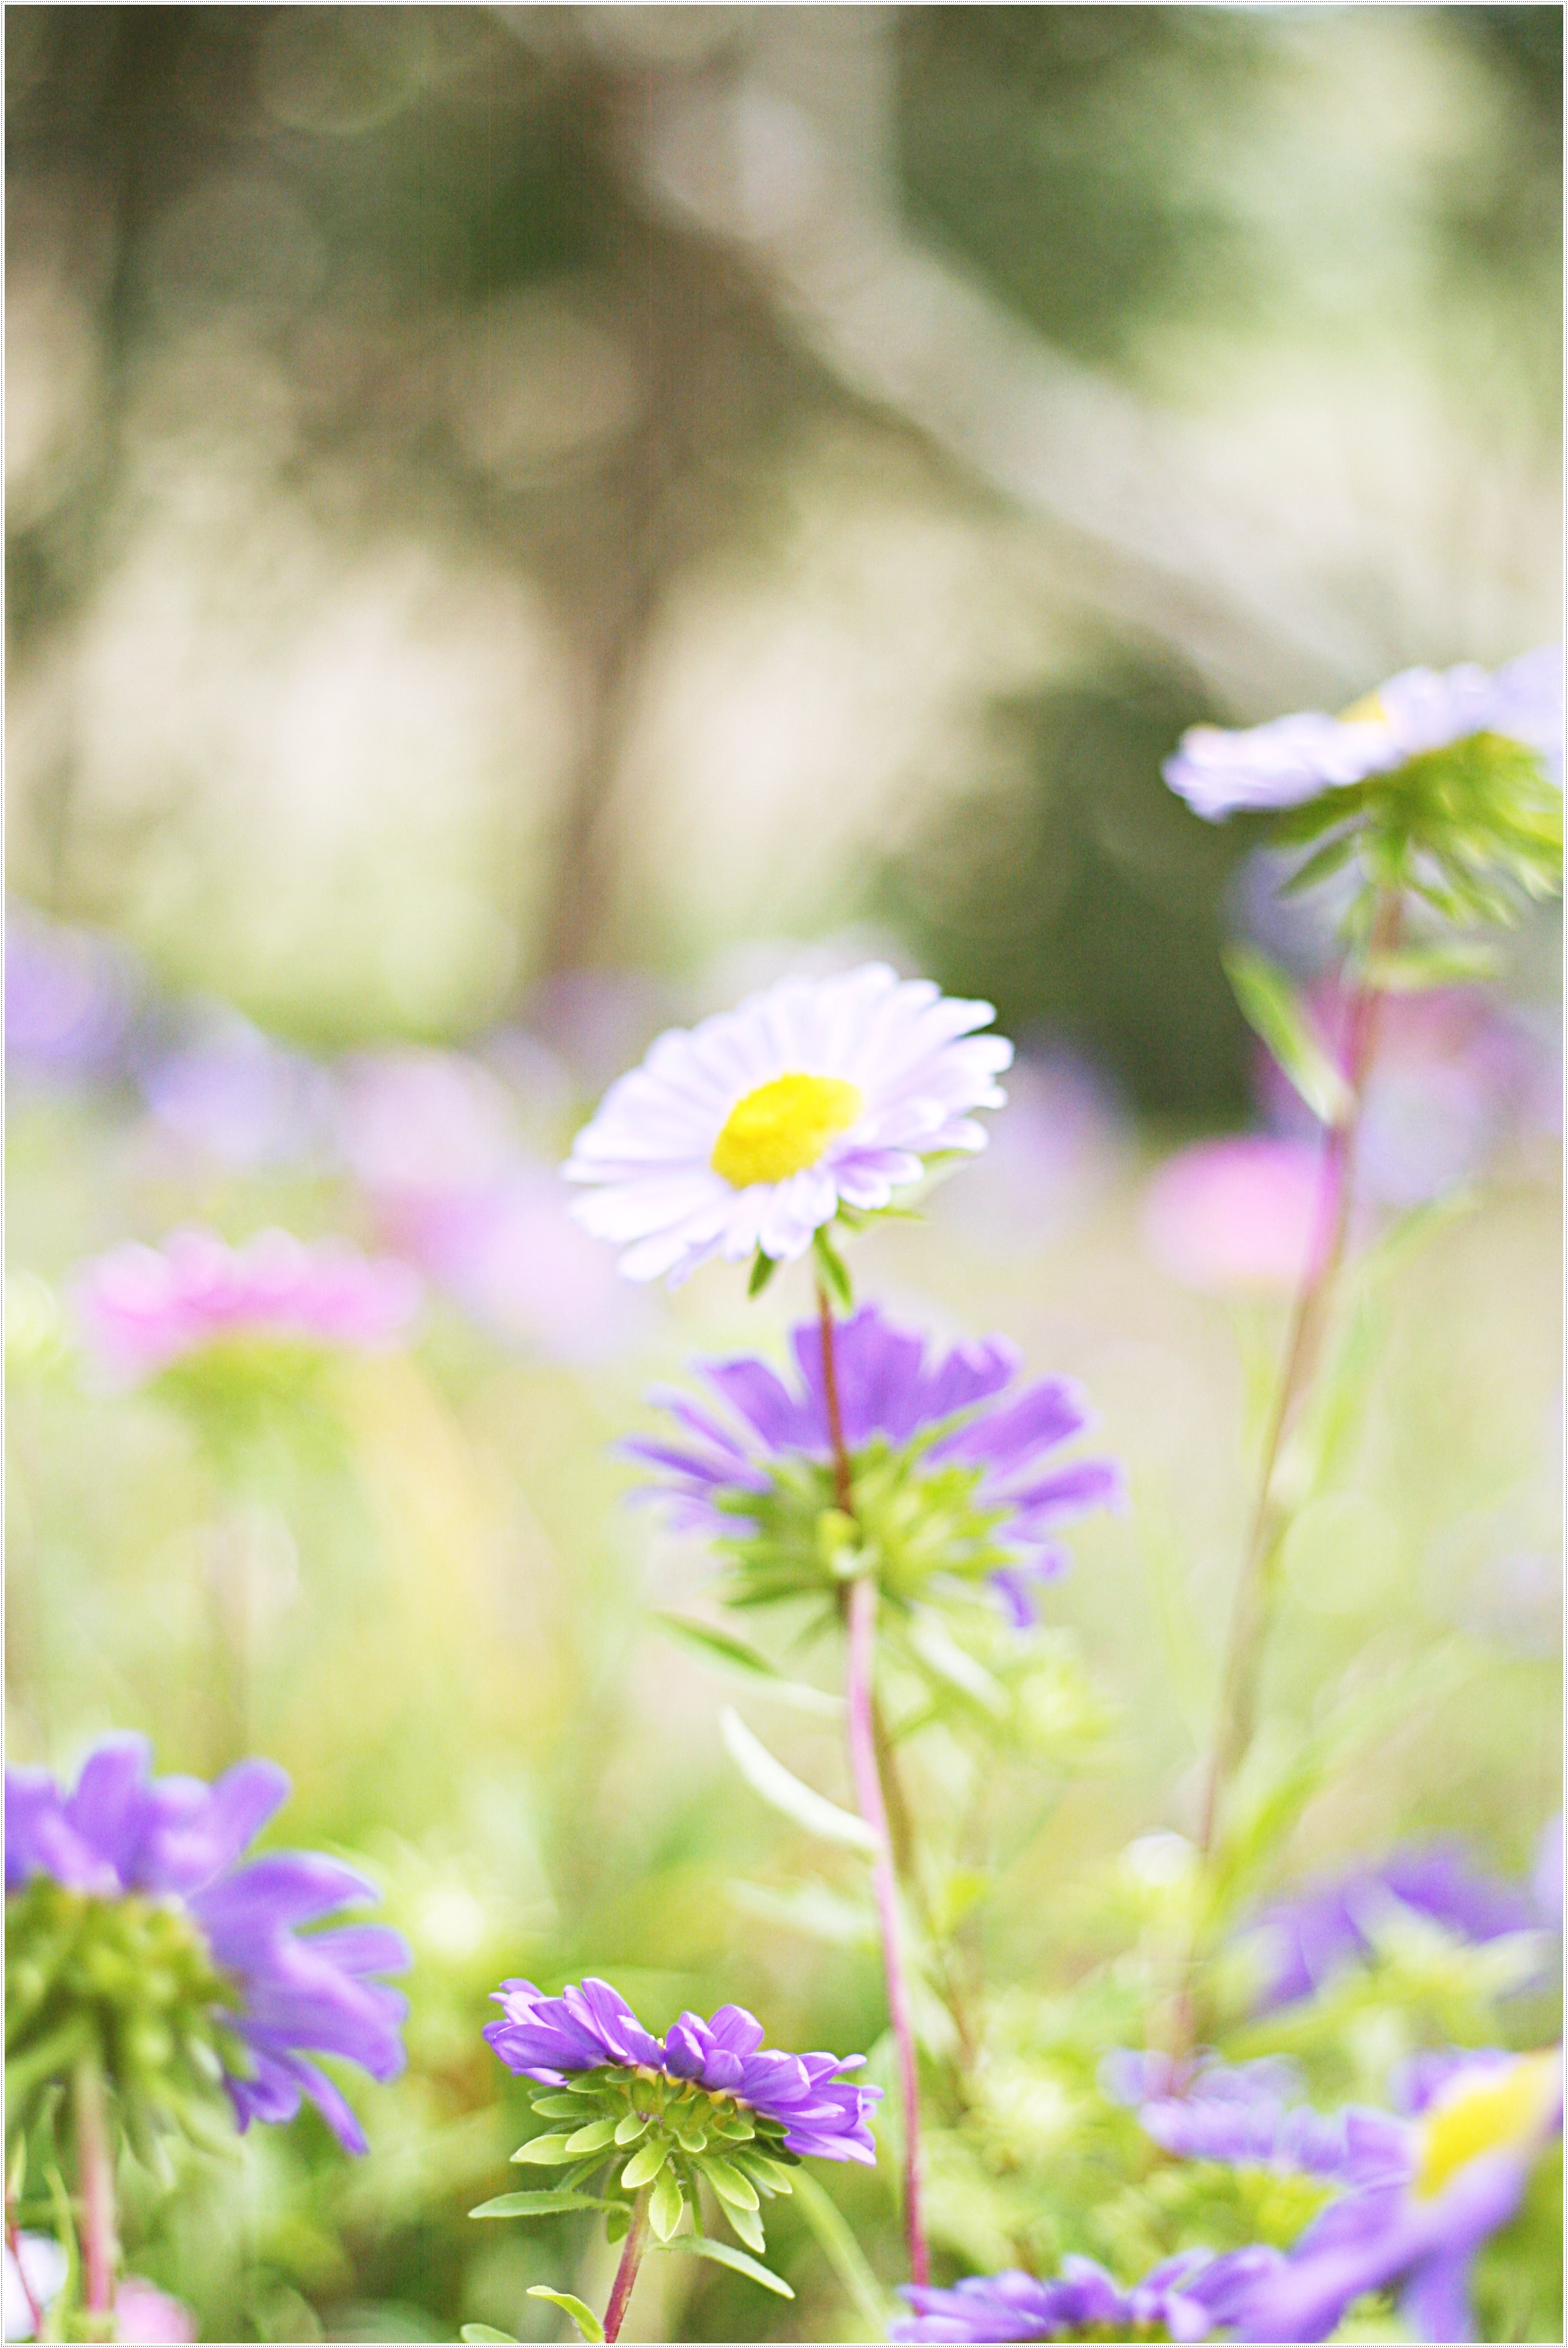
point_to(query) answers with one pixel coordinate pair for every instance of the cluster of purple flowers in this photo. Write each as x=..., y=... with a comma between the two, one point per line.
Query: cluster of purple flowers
x=591, y=2027
x=120, y=1832
x=891, y=1382
x=1189, y=2297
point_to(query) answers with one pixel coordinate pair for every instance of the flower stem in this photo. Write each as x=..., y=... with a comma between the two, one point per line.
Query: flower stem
x=1273, y=1510
x=13, y=2244
x=96, y=2179
x=626, y=2273
x=864, y=1766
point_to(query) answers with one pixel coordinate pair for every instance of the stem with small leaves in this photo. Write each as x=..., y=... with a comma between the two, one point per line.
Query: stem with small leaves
x=1274, y=1509
x=868, y=1792
x=626, y=2273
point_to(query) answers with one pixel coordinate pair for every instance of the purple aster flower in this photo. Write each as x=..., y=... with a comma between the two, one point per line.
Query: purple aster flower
x=227, y=1089
x=1456, y=2173
x=1252, y=2117
x=1308, y=1940
x=1185, y=2298
x=175, y=1842
x=69, y=997
x=1294, y=759
x=895, y=1391
x=591, y=2028
x=146, y=1307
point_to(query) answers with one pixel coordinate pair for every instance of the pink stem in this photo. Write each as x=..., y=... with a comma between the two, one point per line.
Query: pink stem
x=94, y=2158
x=13, y=2244
x=626, y=2273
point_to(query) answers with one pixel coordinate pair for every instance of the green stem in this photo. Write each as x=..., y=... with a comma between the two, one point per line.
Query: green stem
x=626, y=2273
x=1257, y=1585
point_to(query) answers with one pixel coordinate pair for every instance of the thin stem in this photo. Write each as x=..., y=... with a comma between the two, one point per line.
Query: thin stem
x=94, y=2164
x=13, y=2244
x=885, y=1890
x=626, y=2273
x=1273, y=1510
x=865, y=1767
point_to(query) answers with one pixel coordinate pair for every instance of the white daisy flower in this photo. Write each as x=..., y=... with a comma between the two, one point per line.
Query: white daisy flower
x=749, y=1130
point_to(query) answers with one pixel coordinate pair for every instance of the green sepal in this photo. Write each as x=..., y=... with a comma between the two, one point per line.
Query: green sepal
x=728, y=2183
x=645, y=2163
x=536, y=2205
x=591, y=2138
x=762, y=1270
x=747, y=2223
x=1416, y=970
x=832, y=1266
x=583, y=2316
x=546, y=2151
x=629, y=2129
x=769, y=2174
x=665, y=2203
x=562, y=2107
x=724, y=2254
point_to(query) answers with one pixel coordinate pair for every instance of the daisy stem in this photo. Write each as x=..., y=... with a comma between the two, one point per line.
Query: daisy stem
x=1274, y=1508
x=866, y=1767
x=626, y=2273
x=94, y=2170
x=13, y=2244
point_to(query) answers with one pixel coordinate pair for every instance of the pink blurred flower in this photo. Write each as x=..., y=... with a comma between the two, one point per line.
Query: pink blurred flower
x=143, y=1308
x=142, y=2312
x=1239, y=1213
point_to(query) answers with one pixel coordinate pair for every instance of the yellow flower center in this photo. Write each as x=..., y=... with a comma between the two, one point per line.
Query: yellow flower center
x=1501, y=2107
x=1368, y=711
x=782, y=1126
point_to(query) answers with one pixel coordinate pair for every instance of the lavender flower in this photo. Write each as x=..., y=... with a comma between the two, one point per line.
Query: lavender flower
x=1184, y=2298
x=722, y=2063
x=129, y=1920
x=1251, y=2117
x=1308, y=1940
x=1453, y=2175
x=69, y=998
x=754, y=1467
x=1294, y=759
x=144, y=1308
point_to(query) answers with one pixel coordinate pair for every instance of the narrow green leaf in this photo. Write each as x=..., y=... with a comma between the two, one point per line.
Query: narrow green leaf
x=645, y=2163
x=665, y=2204
x=723, y=1647
x=837, y=2240
x=783, y=1791
x=1415, y=970
x=1323, y=862
x=535, y=2205
x=1269, y=1005
x=546, y=2151
x=591, y=2138
x=724, y=2254
x=729, y=2184
x=747, y=2224
x=762, y=1270
x=629, y=2129
x=562, y=2107
x=487, y=2332
x=940, y=1653
x=585, y=2321
x=834, y=1270
x=771, y=2174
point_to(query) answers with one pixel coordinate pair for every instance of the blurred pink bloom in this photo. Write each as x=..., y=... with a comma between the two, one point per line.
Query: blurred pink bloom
x=144, y=1307
x=1239, y=1213
x=432, y=1137
x=142, y=2312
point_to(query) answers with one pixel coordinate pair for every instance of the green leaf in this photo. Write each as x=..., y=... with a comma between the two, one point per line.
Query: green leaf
x=940, y=1653
x=762, y=1270
x=747, y=2224
x=546, y=2151
x=591, y=2138
x=835, y=1272
x=535, y=2205
x=487, y=2332
x=724, y=2254
x=783, y=1791
x=770, y=2174
x=645, y=2163
x=1414, y=970
x=629, y=2129
x=1270, y=1007
x=665, y=2204
x=844, y=2254
x=562, y=2107
x=723, y=1647
x=729, y=2184
x=585, y=2321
